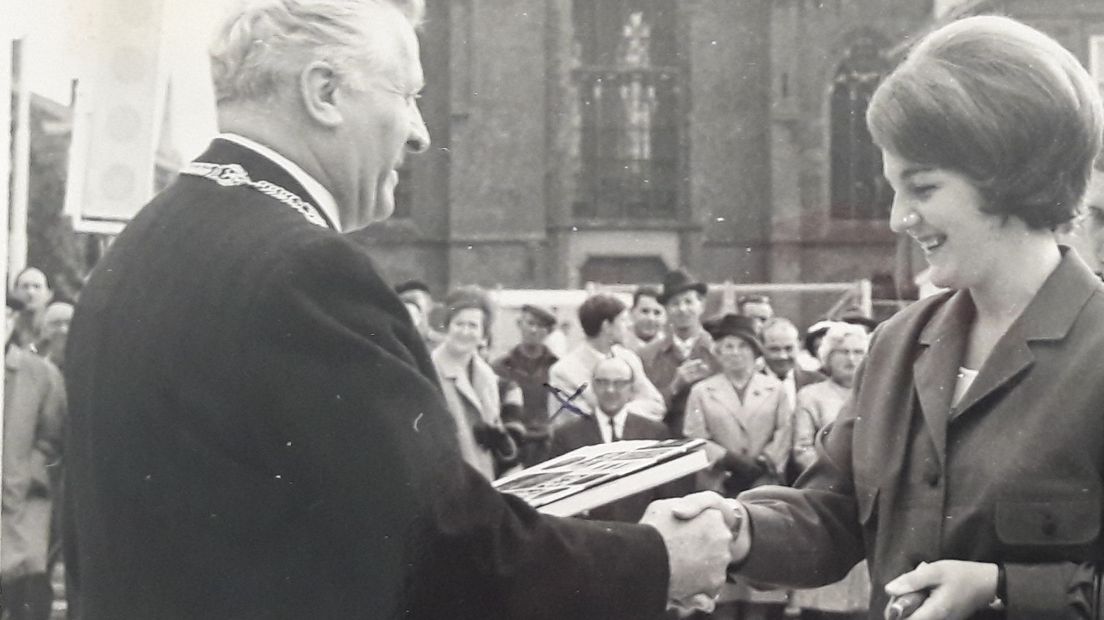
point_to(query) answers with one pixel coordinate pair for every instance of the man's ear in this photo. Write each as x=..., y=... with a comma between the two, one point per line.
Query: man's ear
x=319, y=87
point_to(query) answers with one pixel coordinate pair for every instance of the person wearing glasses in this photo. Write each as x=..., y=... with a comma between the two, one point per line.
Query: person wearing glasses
x=613, y=419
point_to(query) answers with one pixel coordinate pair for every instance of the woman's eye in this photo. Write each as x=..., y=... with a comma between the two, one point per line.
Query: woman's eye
x=921, y=191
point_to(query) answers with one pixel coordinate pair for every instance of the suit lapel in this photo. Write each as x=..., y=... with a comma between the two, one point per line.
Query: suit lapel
x=591, y=434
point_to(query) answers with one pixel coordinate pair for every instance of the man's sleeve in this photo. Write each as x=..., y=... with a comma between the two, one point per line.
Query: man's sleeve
x=353, y=392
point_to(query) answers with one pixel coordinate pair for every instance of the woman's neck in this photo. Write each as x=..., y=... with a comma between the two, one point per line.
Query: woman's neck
x=1019, y=273
x=740, y=377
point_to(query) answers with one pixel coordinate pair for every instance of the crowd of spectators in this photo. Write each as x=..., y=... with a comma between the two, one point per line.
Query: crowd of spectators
x=750, y=383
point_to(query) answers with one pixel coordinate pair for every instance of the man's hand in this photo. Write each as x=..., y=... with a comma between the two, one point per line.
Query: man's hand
x=697, y=531
x=956, y=588
x=690, y=372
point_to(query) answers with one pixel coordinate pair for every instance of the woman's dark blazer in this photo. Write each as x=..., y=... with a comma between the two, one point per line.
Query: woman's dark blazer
x=1012, y=474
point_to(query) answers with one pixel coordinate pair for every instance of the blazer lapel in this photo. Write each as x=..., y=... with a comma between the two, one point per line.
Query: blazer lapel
x=943, y=342
x=1049, y=316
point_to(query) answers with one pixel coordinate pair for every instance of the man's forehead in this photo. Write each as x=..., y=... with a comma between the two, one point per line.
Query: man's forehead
x=612, y=368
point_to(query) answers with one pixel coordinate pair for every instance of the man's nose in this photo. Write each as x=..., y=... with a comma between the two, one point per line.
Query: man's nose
x=418, y=141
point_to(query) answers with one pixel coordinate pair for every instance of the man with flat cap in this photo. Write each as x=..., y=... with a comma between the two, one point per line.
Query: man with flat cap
x=682, y=356
x=257, y=428
x=527, y=365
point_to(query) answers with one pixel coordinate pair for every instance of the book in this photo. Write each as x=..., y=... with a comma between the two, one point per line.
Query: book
x=596, y=475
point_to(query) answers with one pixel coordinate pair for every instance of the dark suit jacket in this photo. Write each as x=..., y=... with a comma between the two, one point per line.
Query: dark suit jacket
x=1011, y=474
x=258, y=432
x=584, y=432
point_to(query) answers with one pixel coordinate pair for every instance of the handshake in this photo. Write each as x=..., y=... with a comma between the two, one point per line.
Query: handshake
x=703, y=533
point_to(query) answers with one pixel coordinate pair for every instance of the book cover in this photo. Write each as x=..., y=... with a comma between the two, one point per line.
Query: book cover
x=596, y=475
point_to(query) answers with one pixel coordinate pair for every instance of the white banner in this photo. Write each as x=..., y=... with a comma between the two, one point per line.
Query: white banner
x=118, y=114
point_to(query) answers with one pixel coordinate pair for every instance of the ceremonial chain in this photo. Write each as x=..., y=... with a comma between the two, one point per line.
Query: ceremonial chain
x=233, y=175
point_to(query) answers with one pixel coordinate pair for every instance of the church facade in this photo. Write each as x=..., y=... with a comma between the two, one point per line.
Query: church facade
x=606, y=141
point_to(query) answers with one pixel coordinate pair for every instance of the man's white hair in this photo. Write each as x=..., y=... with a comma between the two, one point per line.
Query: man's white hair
x=263, y=43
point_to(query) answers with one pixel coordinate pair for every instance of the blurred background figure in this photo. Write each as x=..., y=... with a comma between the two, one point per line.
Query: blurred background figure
x=32, y=289
x=605, y=321
x=841, y=351
x=780, y=349
x=1086, y=234
x=648, y=318
x=758, y=308
x=746, y=418
x=614, y=420
x=683, y=356
x=470, y=384
x=55, y=332
x=417, y=292
x=34, y=418
x=527, y=365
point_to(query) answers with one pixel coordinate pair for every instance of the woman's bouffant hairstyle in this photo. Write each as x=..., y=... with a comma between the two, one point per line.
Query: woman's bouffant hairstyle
x=466, y=297
x=1004, y=105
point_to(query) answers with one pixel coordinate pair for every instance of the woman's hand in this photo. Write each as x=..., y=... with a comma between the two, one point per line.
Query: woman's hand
x=956, y=588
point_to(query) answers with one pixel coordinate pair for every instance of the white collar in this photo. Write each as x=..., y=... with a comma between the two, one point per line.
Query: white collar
x=603, y=421
x=320, y=194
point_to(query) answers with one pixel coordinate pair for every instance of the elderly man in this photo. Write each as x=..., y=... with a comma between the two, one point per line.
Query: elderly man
x=781, y=340
x=613, y=420
x=257, y=429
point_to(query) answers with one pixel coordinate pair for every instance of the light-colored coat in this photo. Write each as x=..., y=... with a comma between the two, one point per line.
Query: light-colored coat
x=470, y=400
x=34, y=414
x=760, y=425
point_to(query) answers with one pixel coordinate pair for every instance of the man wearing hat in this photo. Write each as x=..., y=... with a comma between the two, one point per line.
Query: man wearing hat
x=527, y=365
x=682, y=357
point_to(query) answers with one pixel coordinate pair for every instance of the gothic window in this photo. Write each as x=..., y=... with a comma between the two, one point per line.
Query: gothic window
x=857, y=187
x=628, y=88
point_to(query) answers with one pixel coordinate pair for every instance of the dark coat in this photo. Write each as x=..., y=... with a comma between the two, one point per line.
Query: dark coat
x=1015, y=476
x=258, y=432
x=661, y=360
x=581, y=432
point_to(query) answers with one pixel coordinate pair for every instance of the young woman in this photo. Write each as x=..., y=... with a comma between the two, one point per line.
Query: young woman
x=968, y=466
